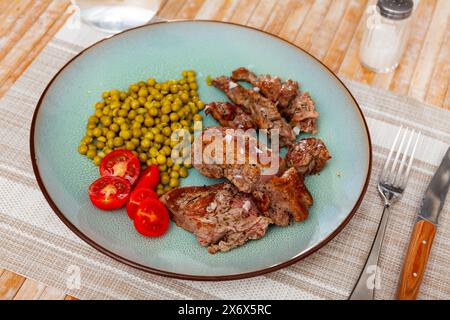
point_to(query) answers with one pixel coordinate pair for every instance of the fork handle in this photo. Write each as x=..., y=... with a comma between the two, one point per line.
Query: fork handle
x=370, y=276
x=416, y=259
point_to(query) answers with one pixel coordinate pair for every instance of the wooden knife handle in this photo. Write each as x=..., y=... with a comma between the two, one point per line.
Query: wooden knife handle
x=416, y=259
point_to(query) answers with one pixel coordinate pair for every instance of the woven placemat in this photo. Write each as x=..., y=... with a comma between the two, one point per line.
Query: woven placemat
x=36, y=244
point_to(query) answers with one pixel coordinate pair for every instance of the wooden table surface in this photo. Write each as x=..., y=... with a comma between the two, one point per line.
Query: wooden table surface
x=331, y=30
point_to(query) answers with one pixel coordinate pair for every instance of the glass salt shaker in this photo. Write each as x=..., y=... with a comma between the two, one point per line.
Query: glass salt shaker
x=386, y=34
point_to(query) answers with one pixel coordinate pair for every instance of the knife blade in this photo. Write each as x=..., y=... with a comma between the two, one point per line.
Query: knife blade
x=424, y=232
x=437, y=190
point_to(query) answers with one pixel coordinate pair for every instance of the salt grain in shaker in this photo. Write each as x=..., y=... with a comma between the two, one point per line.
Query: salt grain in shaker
x=386, y=35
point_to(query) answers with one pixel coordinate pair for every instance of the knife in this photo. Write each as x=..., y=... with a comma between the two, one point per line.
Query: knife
x=424, y=232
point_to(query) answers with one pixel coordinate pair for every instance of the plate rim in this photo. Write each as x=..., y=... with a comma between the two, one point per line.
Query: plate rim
x=181, y=276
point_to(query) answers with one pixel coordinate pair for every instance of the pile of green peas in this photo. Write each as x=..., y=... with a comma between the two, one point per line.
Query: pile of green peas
x=142, y=120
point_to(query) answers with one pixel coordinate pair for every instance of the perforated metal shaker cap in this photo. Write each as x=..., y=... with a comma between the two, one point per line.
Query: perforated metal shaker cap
x=395, y=9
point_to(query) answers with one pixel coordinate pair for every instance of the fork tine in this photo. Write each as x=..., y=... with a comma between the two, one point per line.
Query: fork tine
x=393, y=172
x=399, y=173
x=386, y=164
x=411, y=160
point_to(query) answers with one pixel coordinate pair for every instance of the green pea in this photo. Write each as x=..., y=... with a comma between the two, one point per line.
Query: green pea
x=97, y=160
x=118, y=142
x=114, y=127
x=132, y=114
x=200, y=105
x=159, y=138
x=187, y=163
x=83, y=149
x=134, y=87
x=146, y=143
x=174, y=183
x=91, y=154
x=125, y=134
x=143, y=92
x=174, y=117
x=174, y=174
x=97, y=132
x=149, y=135
x=166, y=150
x=137, y=133
x=122, y=113
x=183, y=172
x=98, y=113
x=93, y=119
x=148, y=122
x=130, y=146
x=139, y=118
x=134, y=104
x=161, y=159
x=143, y=157
x=165, y=119
x=166, y=109
x=106, y=121
x=153, y=111
x=136, y=141
x=100, y=144
x=153, y=152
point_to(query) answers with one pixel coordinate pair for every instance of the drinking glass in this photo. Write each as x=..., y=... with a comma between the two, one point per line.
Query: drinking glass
x=113, y=16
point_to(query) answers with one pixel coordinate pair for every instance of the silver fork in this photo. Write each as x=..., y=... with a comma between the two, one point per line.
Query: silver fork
x=391, y=185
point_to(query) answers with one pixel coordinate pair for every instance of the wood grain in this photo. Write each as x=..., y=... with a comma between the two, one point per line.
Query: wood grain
x=10, y=284
x=416, y=260
x=30, y=290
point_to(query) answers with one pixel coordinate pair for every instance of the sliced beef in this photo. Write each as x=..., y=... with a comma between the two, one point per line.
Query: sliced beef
x=230, y=115
x=301, y=114
x=280, y=198
x=282, y=93
x=245, y=167
x=284, y=197
x=298, y=108
x=270, y=86
x=220, y=216
x=308, y=156
x=262, y=110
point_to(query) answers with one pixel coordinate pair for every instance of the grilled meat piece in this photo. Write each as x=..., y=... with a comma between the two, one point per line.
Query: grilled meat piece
x=301, y=113
x=277, y=197
x=263, y=111
x=230, y=115
x=308, y=156
x=247, y=166
x=220, y=216
x=298, y=108
x=284, y=197
x=272, y=88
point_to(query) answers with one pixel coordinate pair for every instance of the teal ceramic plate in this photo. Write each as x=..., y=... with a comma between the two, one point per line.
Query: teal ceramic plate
x=211, y=48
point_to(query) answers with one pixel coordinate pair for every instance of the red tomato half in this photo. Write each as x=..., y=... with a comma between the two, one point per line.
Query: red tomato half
x=137, y=196
x=108, y=193
x=121, y=163
x=152, y=218
x=149, y=178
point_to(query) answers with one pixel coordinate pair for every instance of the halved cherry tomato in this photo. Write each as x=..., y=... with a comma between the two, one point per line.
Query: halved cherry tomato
x=121, y=163
x=149, y=178
x=108, y=193
x=152, y=218
x=137, y=196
